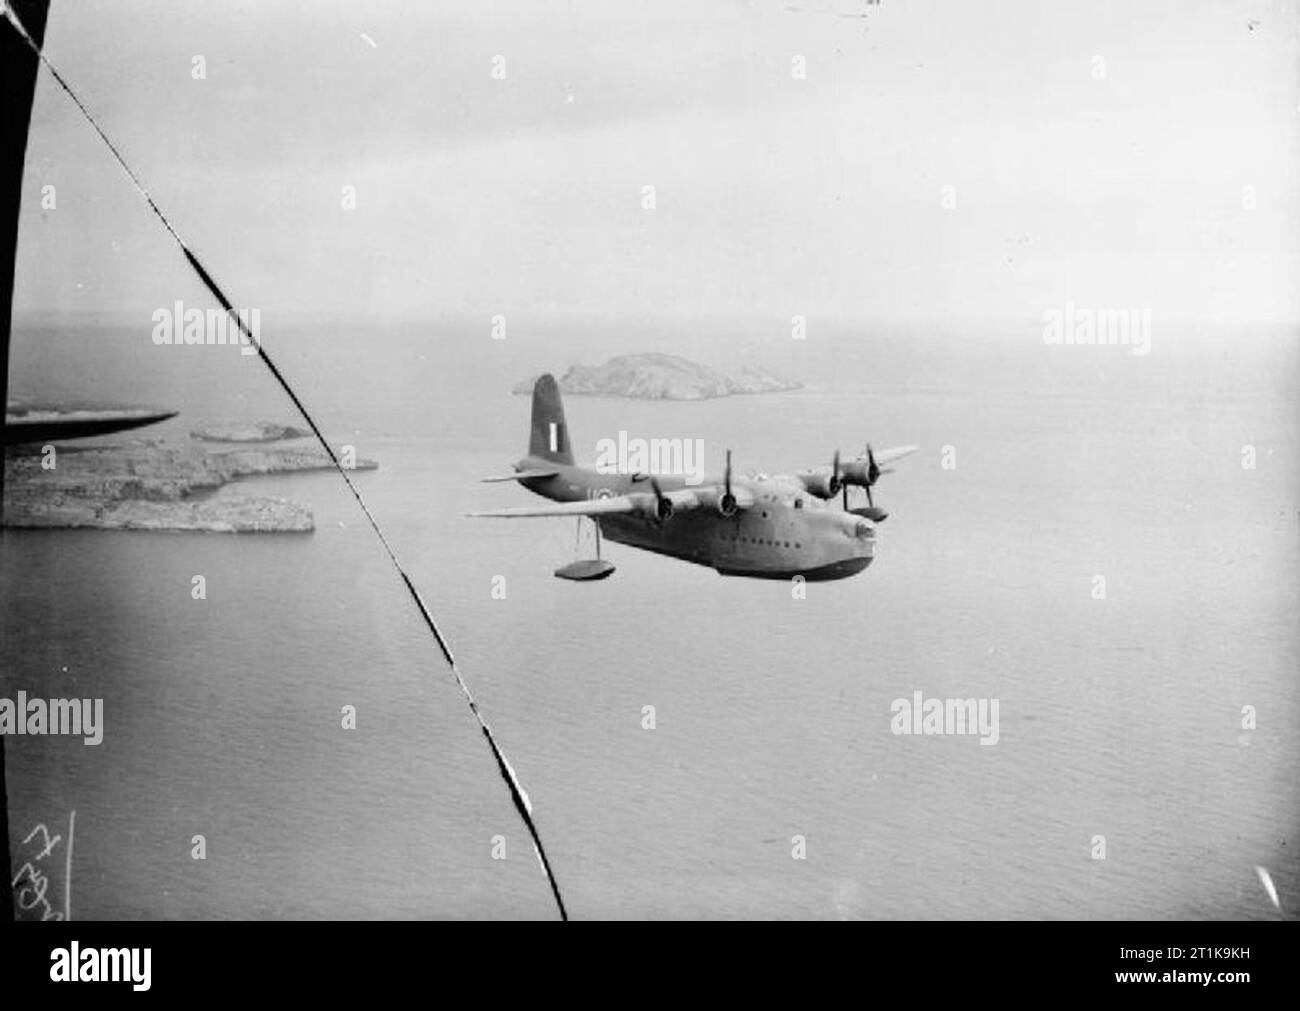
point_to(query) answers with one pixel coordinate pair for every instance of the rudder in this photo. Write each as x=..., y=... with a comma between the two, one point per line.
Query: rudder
x=550, y=435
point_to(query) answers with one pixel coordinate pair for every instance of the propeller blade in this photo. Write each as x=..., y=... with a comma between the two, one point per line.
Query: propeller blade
x=727, y=505
x=663, y=506
x=873, y=471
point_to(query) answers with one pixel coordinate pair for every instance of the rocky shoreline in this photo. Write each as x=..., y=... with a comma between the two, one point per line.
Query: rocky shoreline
x=148, y=484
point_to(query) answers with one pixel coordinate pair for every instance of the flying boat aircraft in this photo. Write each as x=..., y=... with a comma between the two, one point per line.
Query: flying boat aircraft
x=758, y=526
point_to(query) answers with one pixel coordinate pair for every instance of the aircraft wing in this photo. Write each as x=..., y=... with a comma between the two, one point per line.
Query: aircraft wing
x=885, y=456
x=679, y=500
x=522, y=475
x=42, y=425
x=587, y=507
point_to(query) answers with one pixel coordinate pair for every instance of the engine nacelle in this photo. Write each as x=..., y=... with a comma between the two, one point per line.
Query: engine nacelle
x=855, y=472
x=651, y=508
x=725, y=503
x=823, y=486
x=661, y=508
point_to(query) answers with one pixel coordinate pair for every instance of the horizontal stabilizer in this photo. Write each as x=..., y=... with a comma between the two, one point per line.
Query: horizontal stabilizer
x=523, y=475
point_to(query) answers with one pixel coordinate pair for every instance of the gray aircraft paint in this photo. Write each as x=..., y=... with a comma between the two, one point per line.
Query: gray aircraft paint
x=781, y=532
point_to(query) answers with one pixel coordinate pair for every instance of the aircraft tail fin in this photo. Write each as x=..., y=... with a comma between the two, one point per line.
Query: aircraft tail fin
x=550, y=434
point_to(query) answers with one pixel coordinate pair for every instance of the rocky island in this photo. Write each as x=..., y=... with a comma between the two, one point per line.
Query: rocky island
x=149, y=484
x=249, y=431
x=661, y=377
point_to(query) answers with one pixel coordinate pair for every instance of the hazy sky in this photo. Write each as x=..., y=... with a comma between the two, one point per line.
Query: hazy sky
x=774, y=196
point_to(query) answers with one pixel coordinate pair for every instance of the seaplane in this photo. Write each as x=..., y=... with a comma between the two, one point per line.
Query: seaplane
x=762, y=527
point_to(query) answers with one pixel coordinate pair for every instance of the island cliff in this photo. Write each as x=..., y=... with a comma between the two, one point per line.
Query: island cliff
x=661, y=377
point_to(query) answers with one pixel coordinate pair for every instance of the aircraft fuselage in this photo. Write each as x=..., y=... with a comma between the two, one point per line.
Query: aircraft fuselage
x=785, y=533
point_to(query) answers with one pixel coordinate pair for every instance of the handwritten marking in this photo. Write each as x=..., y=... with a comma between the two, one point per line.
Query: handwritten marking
x=49, y=845
x=33, y=884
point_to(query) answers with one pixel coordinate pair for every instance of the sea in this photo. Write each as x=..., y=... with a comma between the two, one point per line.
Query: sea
x=1105, y=543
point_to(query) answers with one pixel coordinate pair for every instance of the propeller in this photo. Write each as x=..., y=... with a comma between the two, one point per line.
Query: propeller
x=663, y=507
x=864, y=473
x=873, y=474
x=728, y=503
